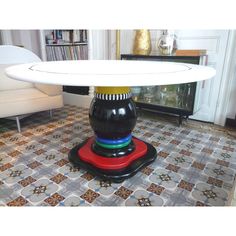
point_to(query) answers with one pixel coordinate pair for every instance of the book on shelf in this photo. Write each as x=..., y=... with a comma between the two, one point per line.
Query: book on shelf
x=66, y=36
x=58, y=34
x=80, y=36
x=67, y=53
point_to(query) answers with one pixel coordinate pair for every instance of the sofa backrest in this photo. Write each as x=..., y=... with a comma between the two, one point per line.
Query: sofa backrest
x=11, y=84
x=12, y=55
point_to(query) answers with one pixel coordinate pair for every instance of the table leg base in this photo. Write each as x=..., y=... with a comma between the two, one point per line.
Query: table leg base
x=114, y=175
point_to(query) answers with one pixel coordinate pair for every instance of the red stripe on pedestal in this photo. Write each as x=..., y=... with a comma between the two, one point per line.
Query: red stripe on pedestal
x=107, y=163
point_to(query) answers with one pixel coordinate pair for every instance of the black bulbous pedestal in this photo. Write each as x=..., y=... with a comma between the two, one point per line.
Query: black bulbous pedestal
x=112, y=154
x=112, y=120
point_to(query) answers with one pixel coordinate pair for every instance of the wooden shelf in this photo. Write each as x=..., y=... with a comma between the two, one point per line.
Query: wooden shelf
x=66, y=44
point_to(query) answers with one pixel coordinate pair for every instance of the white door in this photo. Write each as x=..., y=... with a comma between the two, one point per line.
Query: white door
x=215, y=42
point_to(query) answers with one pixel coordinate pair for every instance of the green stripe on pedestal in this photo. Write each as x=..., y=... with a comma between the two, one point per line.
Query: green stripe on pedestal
x=113, y=146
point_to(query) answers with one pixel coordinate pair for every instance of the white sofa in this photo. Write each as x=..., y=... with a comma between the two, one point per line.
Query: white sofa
x=19, y=98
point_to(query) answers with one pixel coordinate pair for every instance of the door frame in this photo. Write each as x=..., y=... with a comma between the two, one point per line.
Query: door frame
x=223, y=98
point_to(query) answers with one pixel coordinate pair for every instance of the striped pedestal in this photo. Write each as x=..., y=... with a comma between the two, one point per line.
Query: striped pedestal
x=114, y=143
x=112, y=154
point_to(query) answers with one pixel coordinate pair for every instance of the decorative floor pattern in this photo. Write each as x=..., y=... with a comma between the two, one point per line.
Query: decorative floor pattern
x=193, y=168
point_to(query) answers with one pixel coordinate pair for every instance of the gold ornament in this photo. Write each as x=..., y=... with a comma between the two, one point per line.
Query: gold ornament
x=142, y=42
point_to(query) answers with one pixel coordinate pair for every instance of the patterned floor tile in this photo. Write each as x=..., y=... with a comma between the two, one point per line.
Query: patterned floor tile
x=58, y=178
x=20, y=201
x=15, y=174
x=155, y=189
x=191, y=146
x=225, y=155
x=179, y=160
x=4, y=159
x=25, y=182
x=34, y=164
x=220, y=172
x=6, y=193
x=186, y=185
x=62, y=162
x=198, y=165
x=162, y=154
x=90, y=196
x=215, y=182
x=49, y=157
x=74, y=201
x=165, y=178
x=209, y=195
x=87, y=176
x=147, y=170
x=70, y=171
x=194, y=167
x=180, y=198
x=39, y=190
x=105, y=188
x=123, y=192
x=223, y=163
x=143, y=198
x=54, y=200
x=173, y=167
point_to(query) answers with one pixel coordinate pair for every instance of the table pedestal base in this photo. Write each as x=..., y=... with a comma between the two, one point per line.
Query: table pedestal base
x=112, y=168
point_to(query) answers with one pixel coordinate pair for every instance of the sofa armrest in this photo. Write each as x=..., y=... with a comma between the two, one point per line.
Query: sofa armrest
x=50, y=90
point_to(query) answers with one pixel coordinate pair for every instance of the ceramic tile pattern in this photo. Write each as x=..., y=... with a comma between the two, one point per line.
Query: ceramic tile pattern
x=193, y=168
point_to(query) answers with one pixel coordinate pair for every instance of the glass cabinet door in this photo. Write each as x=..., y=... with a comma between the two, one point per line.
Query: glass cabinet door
x=180, y=96
x=174, y=99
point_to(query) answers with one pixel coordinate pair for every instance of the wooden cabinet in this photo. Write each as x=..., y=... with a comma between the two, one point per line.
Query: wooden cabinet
x=175, y=99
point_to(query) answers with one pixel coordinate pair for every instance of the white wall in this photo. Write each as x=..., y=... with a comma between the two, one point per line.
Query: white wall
x=27, y=38
x=98, y=44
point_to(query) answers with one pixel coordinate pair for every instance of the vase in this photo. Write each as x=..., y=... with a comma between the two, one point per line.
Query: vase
x=167, y=43
x=142, y=42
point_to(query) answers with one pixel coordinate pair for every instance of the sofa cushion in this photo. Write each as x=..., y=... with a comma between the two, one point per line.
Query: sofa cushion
x=25, y=101
x=10, y=84
x=50, y=90
x=12, y=96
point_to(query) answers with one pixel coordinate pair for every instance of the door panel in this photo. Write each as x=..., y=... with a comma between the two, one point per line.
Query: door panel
x=215, y=42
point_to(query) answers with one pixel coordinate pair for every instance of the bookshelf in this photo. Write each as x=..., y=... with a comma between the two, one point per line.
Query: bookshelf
x=66, y=45
x=57, y=45
x=67, y=52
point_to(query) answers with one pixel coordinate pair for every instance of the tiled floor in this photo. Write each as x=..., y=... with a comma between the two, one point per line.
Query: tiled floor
x=194, y=167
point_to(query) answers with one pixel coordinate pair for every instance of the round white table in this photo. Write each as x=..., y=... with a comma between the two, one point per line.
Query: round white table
x=112, y=153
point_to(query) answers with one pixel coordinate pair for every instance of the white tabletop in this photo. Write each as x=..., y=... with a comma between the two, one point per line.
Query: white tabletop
x=110, y=73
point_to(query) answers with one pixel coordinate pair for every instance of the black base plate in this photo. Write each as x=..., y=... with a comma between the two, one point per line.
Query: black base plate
x=116, y=176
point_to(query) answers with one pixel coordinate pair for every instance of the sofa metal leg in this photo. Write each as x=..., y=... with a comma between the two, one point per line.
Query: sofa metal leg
x=18, y=124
